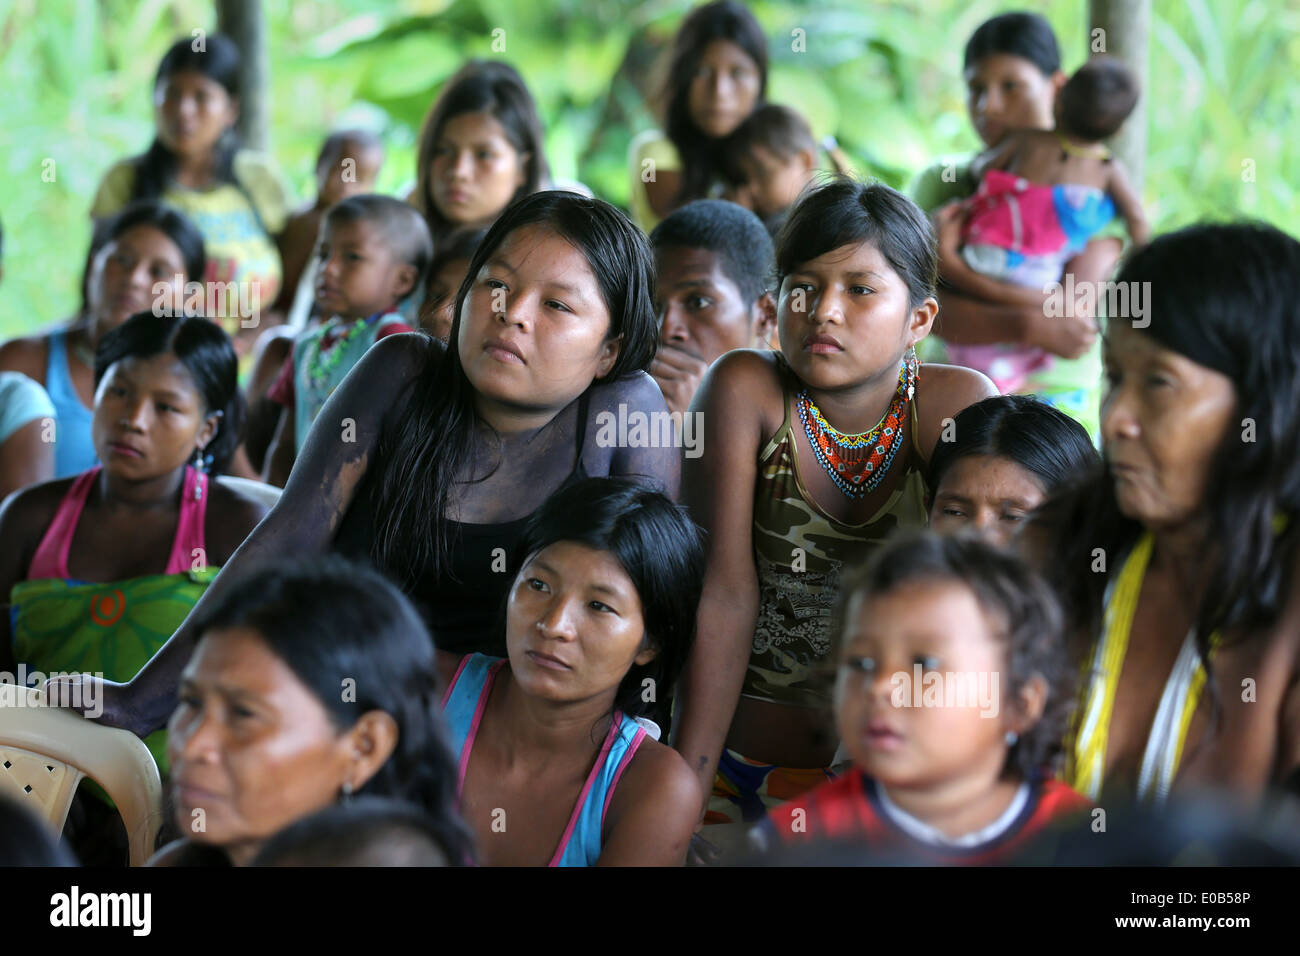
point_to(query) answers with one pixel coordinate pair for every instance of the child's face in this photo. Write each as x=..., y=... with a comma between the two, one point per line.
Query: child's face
x=352, y=172
x=1006, y=92
x=773, y=183
x=191, y=112
x=700, y=309
x=149, y=417
x=438, y=308
x=845, y=317
x=359, y=275
x=724, y=89
x=990, y=494
x=911, y=733
x=476, y=170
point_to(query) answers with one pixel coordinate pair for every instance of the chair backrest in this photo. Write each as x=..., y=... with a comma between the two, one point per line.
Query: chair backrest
x=267, y=494
x=45, y=751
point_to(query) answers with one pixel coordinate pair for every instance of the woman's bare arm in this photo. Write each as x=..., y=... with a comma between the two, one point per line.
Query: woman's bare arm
x=338, y=450
x=25, y=458
x=653, y=812
x=719, y=493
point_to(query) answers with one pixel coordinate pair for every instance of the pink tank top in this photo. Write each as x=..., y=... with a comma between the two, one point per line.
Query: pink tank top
x=51, y=557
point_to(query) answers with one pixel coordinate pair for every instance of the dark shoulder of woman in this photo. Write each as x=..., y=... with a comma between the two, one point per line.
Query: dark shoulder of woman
x=636, y=388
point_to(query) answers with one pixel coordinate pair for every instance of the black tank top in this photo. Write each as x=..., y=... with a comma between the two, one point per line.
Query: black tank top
x=464, y=607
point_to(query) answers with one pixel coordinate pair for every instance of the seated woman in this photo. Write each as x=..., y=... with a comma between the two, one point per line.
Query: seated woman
x=428, y=460
x=717, y=76
x=98, y=570
x=196, y=165
x=1012, y=70
x=310, y=683
x=146, y=244
x=1005, y=457
x=555, y=765
x=481, y=149
x=1178, y=560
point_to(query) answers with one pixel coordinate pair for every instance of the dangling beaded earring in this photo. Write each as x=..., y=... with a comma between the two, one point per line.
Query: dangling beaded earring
x=913, y=367
x=347, y=791
x=201, y=466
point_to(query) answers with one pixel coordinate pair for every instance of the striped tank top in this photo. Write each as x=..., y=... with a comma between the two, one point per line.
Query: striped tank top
x=800, y=552
x=580, y=844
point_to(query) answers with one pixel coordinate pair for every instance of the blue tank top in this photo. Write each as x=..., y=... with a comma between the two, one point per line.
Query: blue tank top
x=463, y=707
x=74, y=452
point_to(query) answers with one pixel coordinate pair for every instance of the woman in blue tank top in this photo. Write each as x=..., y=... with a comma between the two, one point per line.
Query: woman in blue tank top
x=557, y=764
x=146, y=244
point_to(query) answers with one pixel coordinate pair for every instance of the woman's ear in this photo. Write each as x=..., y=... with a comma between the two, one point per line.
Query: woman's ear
x=208, y=430
x=608, y=356
x=372, y=740
x=649, y=651
x=922, y=320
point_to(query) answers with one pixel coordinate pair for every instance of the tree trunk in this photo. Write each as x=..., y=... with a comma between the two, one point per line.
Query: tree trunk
x=244, y=21
x=1126, y=28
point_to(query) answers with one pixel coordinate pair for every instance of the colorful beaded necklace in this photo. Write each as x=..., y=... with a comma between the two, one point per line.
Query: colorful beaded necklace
x=858, y=463
x=321, y=363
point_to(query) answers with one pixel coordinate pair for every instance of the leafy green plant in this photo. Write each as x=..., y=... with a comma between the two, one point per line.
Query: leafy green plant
x=884, y=78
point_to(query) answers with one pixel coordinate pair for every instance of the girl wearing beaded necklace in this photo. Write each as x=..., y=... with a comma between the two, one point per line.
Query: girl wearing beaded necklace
x=787, y=500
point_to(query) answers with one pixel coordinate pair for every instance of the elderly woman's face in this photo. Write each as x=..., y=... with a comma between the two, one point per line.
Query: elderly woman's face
x=1163, y=419
x=251, y=748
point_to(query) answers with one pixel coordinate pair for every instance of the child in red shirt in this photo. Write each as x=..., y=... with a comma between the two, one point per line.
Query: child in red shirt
x=951, y=700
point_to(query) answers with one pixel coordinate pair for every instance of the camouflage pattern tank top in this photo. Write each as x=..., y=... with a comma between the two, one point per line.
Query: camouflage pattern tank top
x=800, y=551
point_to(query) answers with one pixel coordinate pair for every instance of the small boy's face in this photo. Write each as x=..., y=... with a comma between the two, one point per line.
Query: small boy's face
x=772, y=182
x=358, y=275
x=352, y=172
x=701, y=311
x=438, y=308
x=920, y=687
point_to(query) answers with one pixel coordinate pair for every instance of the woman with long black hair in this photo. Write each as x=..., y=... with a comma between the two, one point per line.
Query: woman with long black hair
x=717, y=77
x=428, y=460
x=1178, y=558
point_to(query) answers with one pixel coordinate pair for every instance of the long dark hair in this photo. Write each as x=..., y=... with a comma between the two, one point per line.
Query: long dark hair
x=1224, y=296
x=482, y=86
x=657, y=546
x=1045, y=441
x=203, y=347
x=218, y=61
x=431, y=444
x=724, y=20
x=330, y=620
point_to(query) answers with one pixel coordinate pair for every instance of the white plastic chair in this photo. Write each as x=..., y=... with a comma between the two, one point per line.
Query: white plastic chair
x=45, y=751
